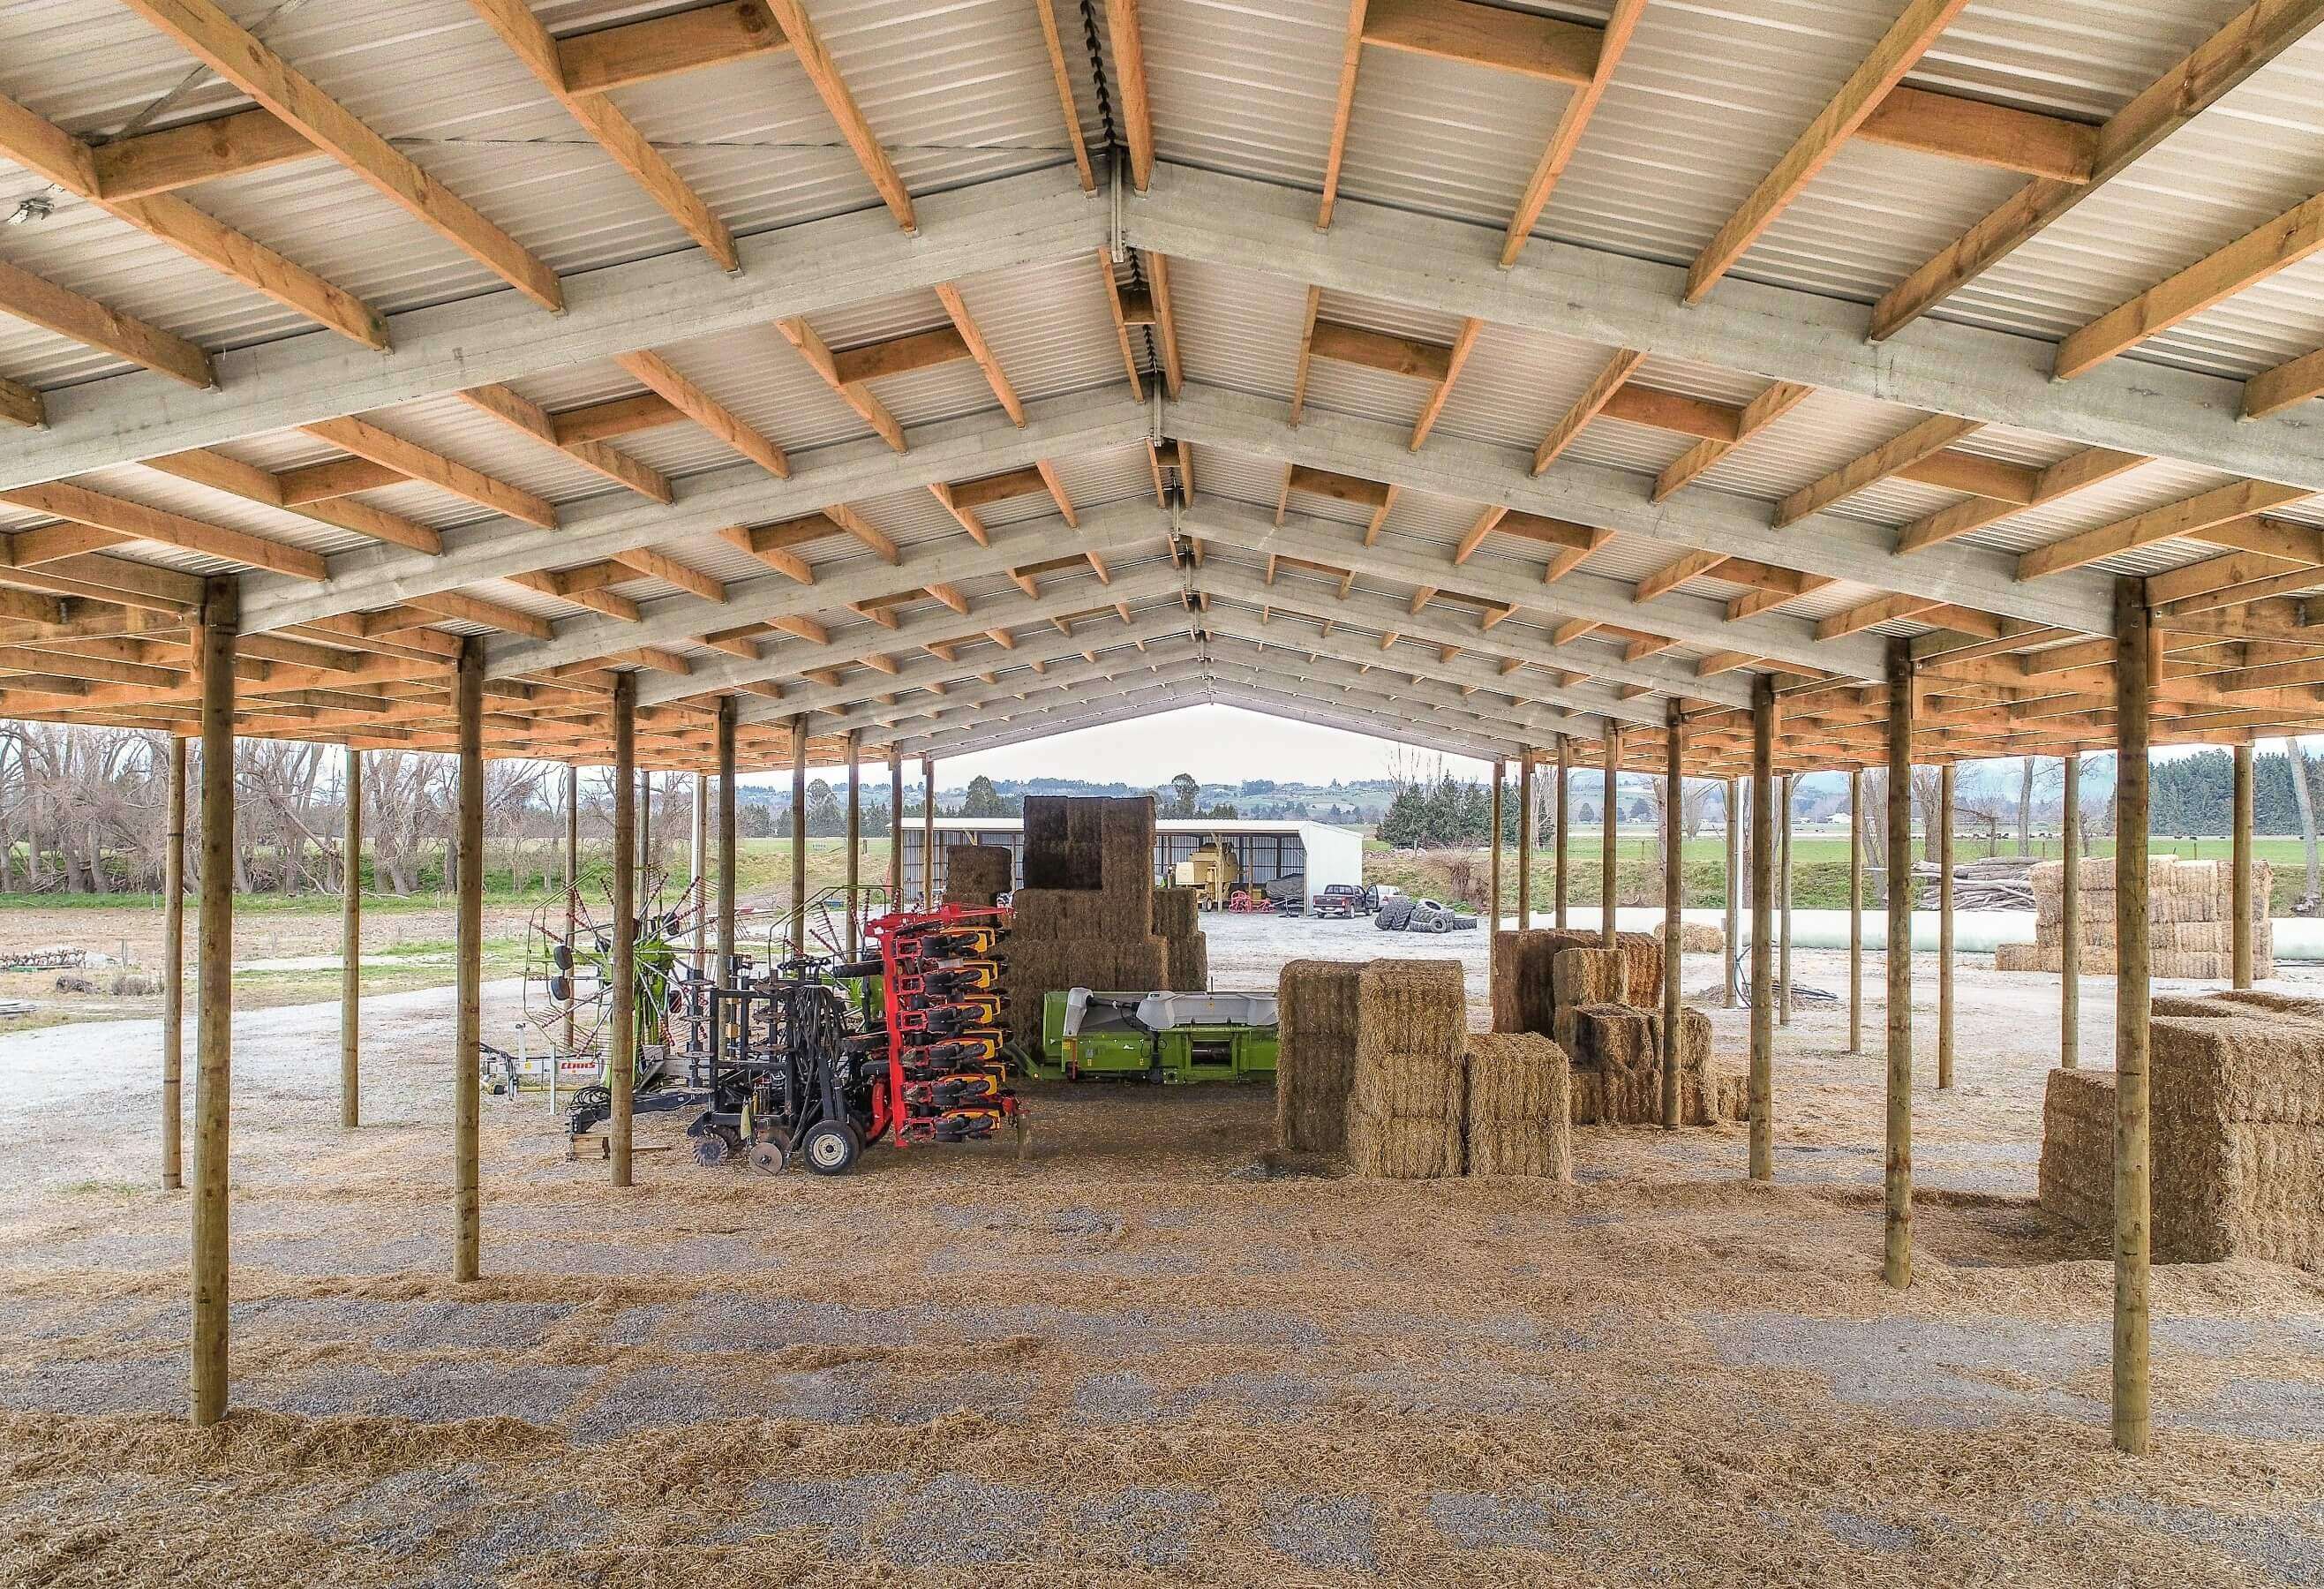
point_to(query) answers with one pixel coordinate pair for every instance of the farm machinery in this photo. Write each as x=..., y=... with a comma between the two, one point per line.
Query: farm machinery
x=1170, y=1039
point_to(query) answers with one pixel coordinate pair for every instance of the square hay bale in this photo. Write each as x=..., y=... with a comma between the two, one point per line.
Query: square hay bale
x=1176, y=912
x=1524, y=964
x=1589, y=976
x=2018, y=957
x=1140, y=964
x=1520, y=1106
x=2237, y=1132
x=1412, y=1007
x=1189, y=963
x=1588, y=1090
x=1621, y=1046
x=1062, y=842
x=1125, y=847
x=1642, y=961
x=1695, y=938
x=1055, y=914
x=977, y=874
x=1403, y=1147
x=1315, y=1058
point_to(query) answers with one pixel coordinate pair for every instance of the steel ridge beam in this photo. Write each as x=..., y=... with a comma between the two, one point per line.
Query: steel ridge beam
x=1826, y=544
x=1096, y=714
x=1681, y=617
x=1383, y=681
x=1031, y=693
x=1337, y=689
x=1037, y=218
x=598, y=527
x=1595, y=296
x=1356, y=719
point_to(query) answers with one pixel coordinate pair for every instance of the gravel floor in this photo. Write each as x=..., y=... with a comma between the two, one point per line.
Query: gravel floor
x=1134, y=1356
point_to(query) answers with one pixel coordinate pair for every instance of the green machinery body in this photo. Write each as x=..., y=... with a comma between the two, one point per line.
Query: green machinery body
x=1168, y=1038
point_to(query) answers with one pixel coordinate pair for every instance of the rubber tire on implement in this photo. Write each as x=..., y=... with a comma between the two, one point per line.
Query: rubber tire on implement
x=830, y=1146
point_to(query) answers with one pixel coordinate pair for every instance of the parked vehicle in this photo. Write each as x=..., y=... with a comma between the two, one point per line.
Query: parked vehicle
x=1376, y=892
x=1338, y=900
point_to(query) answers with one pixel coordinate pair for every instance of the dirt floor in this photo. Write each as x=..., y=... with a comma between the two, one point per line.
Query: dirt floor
x=1133, y=1356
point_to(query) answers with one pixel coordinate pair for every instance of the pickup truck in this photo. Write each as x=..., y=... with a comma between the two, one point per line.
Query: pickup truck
x=1343, y=900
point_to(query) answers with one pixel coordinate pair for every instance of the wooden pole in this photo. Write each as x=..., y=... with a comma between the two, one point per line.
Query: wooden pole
x=2070, y=923
x=895, y=828
x=1674, y=878
x=1945, y=928
x=699, y=867
x=1763, y=927
x=2133, y=689
x=1856, y=910
x=572, y=876
x=645, y=826
x=2240, y=885
x=173, y=974
x=854, y=839
x=620, y=1043
x=1896, y=1261
x=214, y=1011
x=1525, y=840
x=928, y=833
x=728, y=839
x=351, y=946
x=1493, y=867
x=468, y=962
x=1734, y=925
x=798, y=836
x=1564, y=806
x=1609, y=843
x=1784, y=887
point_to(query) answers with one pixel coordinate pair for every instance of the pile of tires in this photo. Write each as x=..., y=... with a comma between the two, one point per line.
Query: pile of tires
x=1394, y=913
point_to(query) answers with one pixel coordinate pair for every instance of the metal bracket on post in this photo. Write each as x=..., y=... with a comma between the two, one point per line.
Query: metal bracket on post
x=1115, y=243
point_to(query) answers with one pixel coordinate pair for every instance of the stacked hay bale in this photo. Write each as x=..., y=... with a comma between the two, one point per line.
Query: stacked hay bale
x=1315, y=1054
x=1603, y=1007
x=2238, y=1133
x=1696, y=938
x=2191, y=914
x=977, y=874
x=1407, y=1110
x=1520, y=1106
x=1084, y=918
x=1177, y=912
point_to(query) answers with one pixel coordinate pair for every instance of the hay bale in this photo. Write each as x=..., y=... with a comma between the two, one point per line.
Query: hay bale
x=1126, y=850
x=1642, y=959
x=1064, y=842
x=1409, y=1103
x=1056, y=914
x=1140, y=964
x=1403, y=1147
x=2238, y=1133
x=1189, y=963
x=1524, y=966
x=977, y=874
x=1315, y=1057
x=1621, y=1047
x=1520, y=1107
x=1589, y=977
x=2018, y=957
x=1176, y=912
x=1695, y=938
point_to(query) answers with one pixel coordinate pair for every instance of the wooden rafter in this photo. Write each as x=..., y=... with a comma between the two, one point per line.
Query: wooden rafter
x=1571, y=123
x=823, y=72
x=1044, y=10
x=1122, y=23
x=2199, y=517
x=2091, y=466
x=513, y=408
x=1999, y=137
x=634, y=52
x=70, y=315
x=219, y=471
x=1351, y=51
x=1585, y=408
x=657, y=374
x=1121, y=331
x=2255, y=38
x=1756, y=415
x=390, y=451
x=1464, y=343
x=855, y=393
x=1165, y=325
x=222, y=45
x=1923, y=441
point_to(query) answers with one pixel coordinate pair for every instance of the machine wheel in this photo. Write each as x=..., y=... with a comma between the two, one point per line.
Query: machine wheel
x=709, y=1150
x=769, y=1159
x=831, y=1147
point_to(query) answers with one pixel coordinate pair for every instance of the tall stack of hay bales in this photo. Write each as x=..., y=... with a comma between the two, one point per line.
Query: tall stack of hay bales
x=1315, y=1054
x=2191, y=912
x=1408, y=1111
x=1520, y=1106
x=2236, y=1123
x=1177, y=916
x=977, y=874
x=1084, y=917
x=1603, y=1007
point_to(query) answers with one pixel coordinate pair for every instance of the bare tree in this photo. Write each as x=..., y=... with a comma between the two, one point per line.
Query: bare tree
x=2304, y=797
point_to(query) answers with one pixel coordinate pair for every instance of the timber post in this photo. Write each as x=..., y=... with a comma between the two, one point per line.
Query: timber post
x=1783, y=903
x=928, y=833
x=2070, y=923
x=895, y=828
x=1609, y=842
x=173, y=974
x=468, y=963
x=1763, y=927
x=728, y=839
x=214, y=1011
x=1896, y=1261
x=699, y=868
x=2133, y=691
x=1559, y=855
x=1855, y=909
x=621, y=1040
x=1525, y=841
x=1674, y=880
x=2239, y=938
x=351, y=948
x=1734, y=930
x=1945, y=928
x=854, y=840
x=1493, y=864
x=798, y=836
